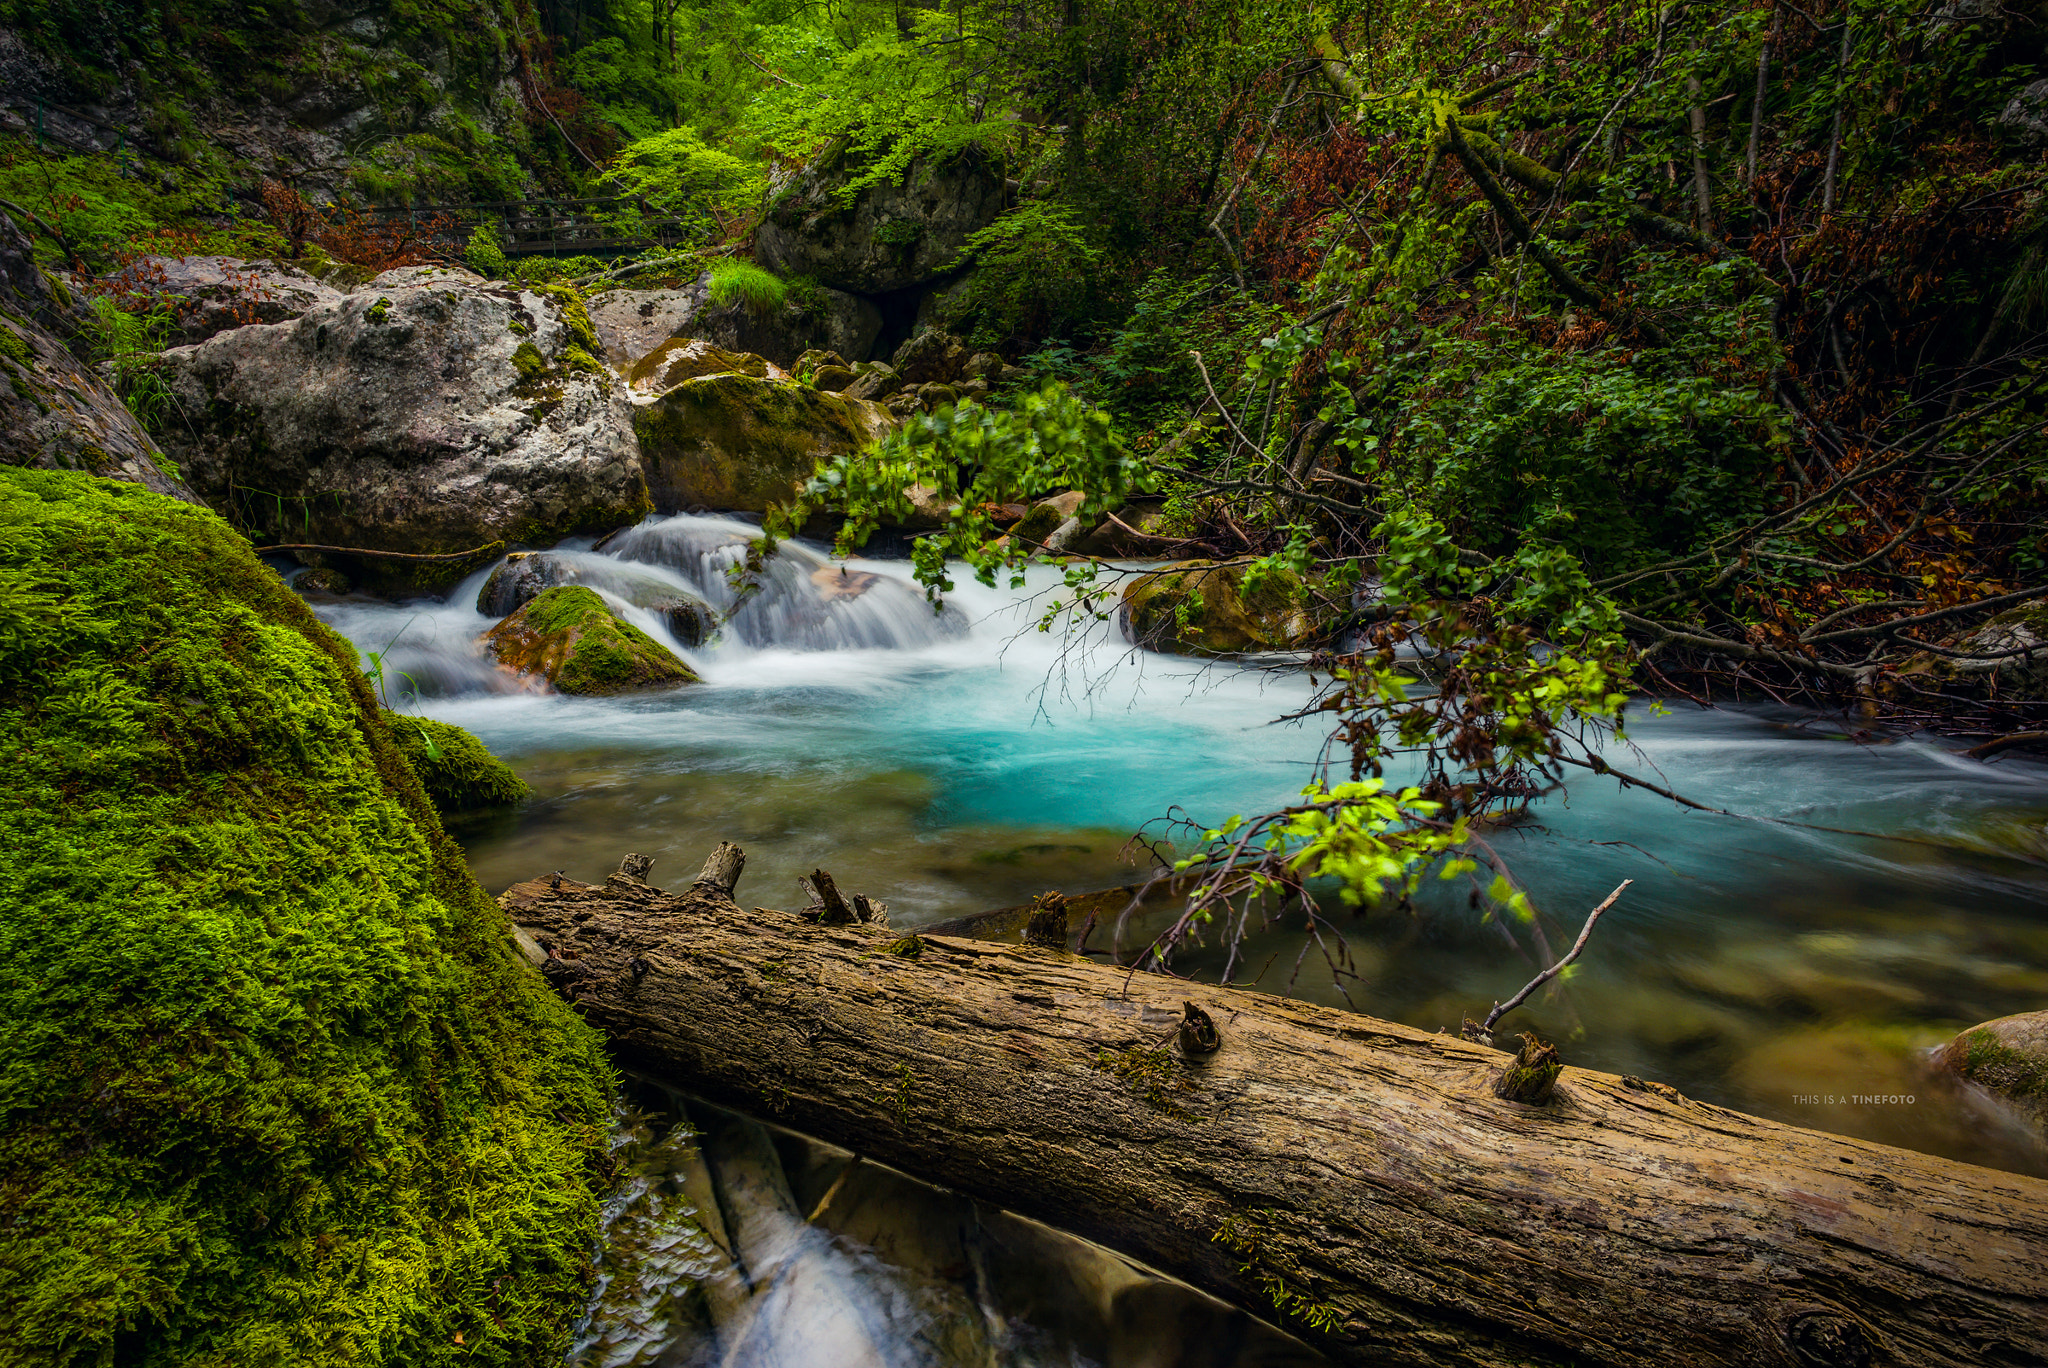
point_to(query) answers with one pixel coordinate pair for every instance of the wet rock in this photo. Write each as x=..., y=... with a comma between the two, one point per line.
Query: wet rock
x=55, y=411
x=1135, y=534
x=429, y=412
x=932, y=356
x=691, y=358
x=569, y=637
x=631, y=323
x=876, y=381
x=2007, y=1058
x=458, y=771
x=323, y=580
x=525, y=575
x=1047, y=517
x=902, y=232
x=1199, y=607
x=209, y=295
x=733, y=441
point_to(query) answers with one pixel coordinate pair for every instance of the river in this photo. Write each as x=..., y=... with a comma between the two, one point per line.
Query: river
x=951, y=763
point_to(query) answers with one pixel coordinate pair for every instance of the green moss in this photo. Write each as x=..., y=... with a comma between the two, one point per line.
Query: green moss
x=378, y=312
x=275, y=1090
x=2004, y=1070
x=15, y=347
x=455, y=768
x=569, y=305
x=570, y=637
x=528, y=361
x=581, y=361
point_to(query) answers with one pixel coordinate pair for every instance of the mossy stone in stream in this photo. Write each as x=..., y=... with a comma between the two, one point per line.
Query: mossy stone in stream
x=455, y=768
x=274, y=1087
x=1200, y=607
x=570, y=637
x=2007, y=1057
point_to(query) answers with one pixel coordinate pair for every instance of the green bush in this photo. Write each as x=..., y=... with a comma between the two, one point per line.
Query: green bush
x=485, y=256
x=458, y=772
x=1034, y=274
x=274, y=1086
x=748, y=284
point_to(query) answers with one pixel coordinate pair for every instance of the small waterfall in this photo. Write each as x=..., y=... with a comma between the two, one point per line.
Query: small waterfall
x=804, y=602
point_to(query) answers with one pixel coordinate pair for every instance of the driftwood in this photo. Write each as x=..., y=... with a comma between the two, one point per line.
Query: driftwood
x=1352, y=1179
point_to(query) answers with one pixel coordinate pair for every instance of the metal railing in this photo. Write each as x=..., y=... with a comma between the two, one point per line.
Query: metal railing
x=47, y=123
x=550, y=227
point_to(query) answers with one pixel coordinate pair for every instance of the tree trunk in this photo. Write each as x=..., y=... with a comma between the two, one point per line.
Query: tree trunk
x=1355, y=1180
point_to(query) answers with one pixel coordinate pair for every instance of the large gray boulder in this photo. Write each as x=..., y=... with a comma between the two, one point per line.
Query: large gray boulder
x=430, y=412
x=55, y=411
x=893, y=236
x=631, y=323
x=208, y=295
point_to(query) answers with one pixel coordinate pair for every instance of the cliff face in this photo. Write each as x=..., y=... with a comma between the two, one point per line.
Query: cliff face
x=381, y=98
x=274, y=1085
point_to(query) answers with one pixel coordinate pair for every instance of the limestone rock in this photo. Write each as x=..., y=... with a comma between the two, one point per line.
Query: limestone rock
x=1199, y=607
x=55, y=412
x=742, y=442
x=893, y=236
x=570, y=638
x=429, y=412
x=2025, y=116
x=933, y=356
x=207, y=295
x=2007, y=1058
x=631, y=323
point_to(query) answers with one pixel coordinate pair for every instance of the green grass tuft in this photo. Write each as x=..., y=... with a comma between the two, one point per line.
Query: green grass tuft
x=273, y=1087
x=748, y=284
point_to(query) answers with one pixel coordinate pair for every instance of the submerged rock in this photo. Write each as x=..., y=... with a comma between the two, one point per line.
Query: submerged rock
x=734, y=441
x=429, y=412
x=572, y=639
x=2007, y=1058
x=1199, y=606
x=458, y=772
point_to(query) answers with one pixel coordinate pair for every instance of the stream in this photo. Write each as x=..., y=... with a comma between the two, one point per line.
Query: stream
x=958, y=762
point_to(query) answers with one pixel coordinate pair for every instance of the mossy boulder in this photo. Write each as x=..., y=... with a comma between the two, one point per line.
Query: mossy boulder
x=2007, y=1058
x=458, y=772
x=632, y=323
x=524, y=575
x=742, y=442
x=690, y=358
x=429, y=412
x=571, y=638
x=1200, y=607
x=903, y=230
x=275, y=1087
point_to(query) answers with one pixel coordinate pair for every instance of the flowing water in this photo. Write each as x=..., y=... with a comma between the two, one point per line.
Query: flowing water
x=956, y=762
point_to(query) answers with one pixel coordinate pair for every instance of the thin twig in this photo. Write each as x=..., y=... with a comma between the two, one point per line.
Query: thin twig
x=1501, y=1009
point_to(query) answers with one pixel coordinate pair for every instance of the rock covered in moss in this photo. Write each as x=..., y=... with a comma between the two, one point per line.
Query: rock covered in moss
x=458, y=772
x=2007, y=1058
x=525, y=575
x=743, y=442
x=1200, y=607
x=690, y=358
x=571, y=638
x=274, y=1087
x=429, y=412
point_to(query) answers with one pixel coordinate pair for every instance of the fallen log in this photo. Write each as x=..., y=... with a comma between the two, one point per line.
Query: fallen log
x=1355, y=1180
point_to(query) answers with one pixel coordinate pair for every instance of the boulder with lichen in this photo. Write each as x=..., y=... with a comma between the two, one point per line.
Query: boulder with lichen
x=735, y=441
x=2008, y=1058
x=430, y=412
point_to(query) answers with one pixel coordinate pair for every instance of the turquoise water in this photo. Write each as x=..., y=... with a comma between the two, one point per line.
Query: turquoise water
x=952, y=764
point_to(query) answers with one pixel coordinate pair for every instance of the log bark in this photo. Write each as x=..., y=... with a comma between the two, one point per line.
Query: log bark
x=1355, y=1180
